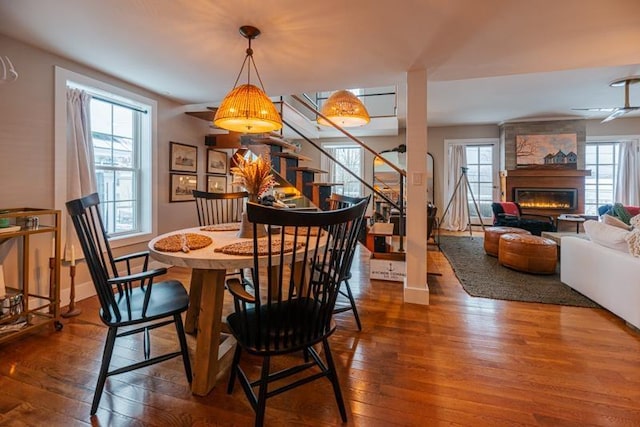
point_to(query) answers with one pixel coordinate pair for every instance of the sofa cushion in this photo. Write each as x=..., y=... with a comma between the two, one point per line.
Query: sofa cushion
x=633, y=241
x=612, y=220
x=606, y=235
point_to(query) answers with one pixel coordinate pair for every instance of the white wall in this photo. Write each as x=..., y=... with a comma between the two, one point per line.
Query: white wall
x=437, y=135
x=621, y=126
x=27, y=147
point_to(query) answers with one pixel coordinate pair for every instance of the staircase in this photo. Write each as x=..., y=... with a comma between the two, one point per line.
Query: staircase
x=290, y=170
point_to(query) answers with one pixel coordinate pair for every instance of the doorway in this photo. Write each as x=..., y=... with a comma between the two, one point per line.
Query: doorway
x=482, y=162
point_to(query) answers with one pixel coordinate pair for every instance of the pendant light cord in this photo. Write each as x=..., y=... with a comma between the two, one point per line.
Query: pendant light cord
x=249, y=56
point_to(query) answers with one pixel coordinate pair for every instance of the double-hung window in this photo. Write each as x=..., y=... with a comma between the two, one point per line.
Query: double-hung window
x=122, y=133
x=116, y=132
x=602, y=160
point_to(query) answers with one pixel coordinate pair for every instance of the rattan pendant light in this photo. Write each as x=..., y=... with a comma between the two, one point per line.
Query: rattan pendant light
x=344, y=109
x=247, y=108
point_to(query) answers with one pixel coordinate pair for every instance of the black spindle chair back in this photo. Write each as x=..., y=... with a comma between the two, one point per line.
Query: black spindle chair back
x=339, y=201
x=297, y=268
x=219, y=208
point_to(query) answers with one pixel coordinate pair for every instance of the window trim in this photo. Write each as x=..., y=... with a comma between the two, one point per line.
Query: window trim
x=62, y=77
x=610, y=139
x=324, y=160
x=495, y=142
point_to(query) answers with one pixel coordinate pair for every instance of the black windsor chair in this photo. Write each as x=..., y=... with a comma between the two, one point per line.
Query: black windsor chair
x=298, y=268
x=138, y=309
x=339, y=201
x=219, y=208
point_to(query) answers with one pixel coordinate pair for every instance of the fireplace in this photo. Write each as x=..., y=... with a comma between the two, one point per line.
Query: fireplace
x=547, y=179
x=565, y=199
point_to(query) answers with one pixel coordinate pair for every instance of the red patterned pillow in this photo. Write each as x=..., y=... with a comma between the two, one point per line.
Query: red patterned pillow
x=633, y=210
x=510, y=208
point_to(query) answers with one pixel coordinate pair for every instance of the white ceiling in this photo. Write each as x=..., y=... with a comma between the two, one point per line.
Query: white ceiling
x=488, y=61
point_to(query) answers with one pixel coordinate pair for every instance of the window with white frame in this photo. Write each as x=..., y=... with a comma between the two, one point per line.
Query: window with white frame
x=601, y=157
x=480, y=175
x=116, y=132
x=122, y=132
x=350, y=156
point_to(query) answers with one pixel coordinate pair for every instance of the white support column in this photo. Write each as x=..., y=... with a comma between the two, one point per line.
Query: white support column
x=416, y=289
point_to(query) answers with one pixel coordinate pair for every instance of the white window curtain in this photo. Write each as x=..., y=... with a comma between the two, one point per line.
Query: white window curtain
x=627, y=186
x=457, y=215
x=81, y=175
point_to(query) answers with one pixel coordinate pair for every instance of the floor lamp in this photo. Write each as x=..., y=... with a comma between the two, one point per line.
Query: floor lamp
x=463, y=177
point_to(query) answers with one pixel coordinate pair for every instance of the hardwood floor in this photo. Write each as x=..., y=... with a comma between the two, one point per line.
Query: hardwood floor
x=459, y=361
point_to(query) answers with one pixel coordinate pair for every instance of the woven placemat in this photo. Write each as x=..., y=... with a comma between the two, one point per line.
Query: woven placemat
x=182, y=242
x=228, y=226
x=302, y=231
x=246, y=247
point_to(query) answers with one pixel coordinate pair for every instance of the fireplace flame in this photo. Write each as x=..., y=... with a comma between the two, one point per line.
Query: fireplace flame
x=545, y=205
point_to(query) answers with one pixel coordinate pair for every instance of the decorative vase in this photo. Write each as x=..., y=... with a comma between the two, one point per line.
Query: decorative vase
x=246, y=226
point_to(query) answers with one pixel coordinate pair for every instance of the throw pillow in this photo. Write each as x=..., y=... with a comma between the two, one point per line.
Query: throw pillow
x=606, y=235
x=635, y=221
x=633, y=242
x=633, y=210
x=621, y=212
x=612, y=220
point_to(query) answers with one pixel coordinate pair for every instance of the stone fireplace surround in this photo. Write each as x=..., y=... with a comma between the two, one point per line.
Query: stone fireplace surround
x=544, y=177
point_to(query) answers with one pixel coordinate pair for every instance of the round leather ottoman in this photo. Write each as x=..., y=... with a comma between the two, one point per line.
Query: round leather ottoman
x=492, y=237
x=528, y=253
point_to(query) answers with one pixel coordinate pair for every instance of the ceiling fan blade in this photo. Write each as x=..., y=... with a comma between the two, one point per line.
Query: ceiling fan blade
x=595, y=110
x=619, y=112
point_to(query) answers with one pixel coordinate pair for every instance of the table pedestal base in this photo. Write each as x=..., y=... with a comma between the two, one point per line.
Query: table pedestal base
x=204, y=317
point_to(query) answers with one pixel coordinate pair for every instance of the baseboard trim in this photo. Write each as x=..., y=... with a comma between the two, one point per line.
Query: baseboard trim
x=416, y=295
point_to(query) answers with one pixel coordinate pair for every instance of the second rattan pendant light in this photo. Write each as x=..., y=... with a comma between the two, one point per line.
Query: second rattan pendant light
x=247, y=108
x=344, y=109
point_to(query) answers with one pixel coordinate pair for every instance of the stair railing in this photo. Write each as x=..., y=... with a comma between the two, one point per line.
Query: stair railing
x=401, y=172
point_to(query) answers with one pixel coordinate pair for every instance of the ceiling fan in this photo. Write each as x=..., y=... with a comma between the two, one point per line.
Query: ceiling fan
x=618, y=111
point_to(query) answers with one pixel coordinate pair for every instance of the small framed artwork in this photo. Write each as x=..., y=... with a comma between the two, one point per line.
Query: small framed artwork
x=216, y=162
x=216, y=184
x=182, y=187
x=183, y=157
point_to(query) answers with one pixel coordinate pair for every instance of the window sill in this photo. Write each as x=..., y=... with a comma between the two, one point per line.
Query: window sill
x=132, y=239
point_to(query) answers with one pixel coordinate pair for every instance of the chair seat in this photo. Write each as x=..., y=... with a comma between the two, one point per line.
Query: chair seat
x=296, y=320
x=167, y=298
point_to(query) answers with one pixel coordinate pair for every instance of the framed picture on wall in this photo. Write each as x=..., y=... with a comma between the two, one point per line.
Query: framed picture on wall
x=182, y=186
x=183, y=157
x=547, y=151
x=217, y=184
x=216, y=162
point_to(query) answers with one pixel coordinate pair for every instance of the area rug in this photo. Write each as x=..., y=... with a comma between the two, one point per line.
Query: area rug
x=482, y=276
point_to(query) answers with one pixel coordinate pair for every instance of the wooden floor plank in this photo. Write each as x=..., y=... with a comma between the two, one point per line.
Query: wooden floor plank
x=459, y=361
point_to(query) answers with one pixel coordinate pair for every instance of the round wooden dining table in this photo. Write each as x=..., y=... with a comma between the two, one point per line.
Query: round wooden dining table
x=206, y=298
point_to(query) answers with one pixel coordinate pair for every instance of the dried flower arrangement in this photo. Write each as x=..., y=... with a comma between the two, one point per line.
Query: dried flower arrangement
x=255, y=175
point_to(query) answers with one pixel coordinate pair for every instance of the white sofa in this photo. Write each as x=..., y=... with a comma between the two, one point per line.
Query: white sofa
x=607, y=276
